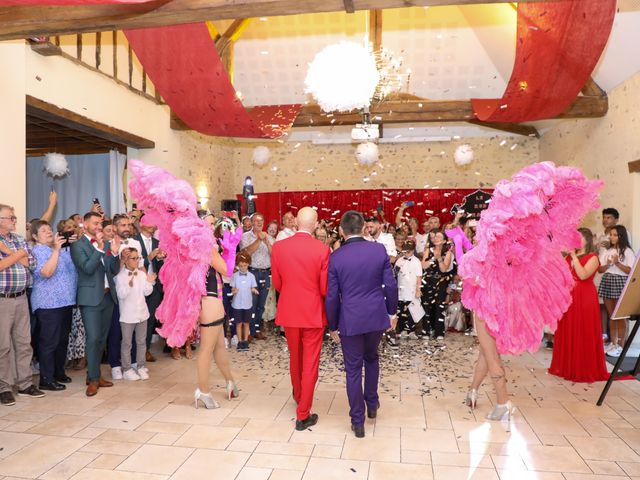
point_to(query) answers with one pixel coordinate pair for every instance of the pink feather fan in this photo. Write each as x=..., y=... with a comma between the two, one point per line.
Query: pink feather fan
x=516, y=279
x=188, y=241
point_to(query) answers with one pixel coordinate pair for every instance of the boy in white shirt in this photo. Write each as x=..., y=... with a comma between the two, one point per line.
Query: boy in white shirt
x=409, y=272
x=243, y=287
x=133, y=284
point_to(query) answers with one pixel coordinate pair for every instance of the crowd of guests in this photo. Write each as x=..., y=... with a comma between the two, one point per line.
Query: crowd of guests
x=91, y=285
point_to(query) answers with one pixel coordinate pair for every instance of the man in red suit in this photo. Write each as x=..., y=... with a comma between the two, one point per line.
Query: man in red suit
x=299, y=266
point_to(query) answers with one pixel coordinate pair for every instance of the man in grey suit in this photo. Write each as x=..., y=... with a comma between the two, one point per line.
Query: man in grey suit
x=97, y=263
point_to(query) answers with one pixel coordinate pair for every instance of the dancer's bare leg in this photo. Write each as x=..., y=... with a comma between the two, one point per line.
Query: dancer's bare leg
x=493, y=361
x=220, y=355
x=211, y=311
x=480, y=371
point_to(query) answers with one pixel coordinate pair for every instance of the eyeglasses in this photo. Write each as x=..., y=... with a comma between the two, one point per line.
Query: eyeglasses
x=12, y=218
x=134, y=258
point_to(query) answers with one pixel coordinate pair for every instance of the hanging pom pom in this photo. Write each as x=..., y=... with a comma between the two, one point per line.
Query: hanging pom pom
x=367, y=153
x=342, y=77
x=261, y=155
x=463, y=155
x=56, y=165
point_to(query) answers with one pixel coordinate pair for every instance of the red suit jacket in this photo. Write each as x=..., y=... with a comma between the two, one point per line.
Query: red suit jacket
x=299, y=266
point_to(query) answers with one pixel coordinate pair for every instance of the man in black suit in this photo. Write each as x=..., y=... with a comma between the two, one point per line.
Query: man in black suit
x=153, y=260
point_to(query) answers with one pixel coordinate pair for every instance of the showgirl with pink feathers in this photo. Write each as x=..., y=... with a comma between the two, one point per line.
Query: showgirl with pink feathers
x=192, y=269
x=515, y=279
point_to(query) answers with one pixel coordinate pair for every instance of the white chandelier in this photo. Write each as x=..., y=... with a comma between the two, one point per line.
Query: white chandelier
x=348, y=76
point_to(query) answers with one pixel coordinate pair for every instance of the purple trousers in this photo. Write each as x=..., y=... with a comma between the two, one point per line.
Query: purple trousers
x=358, y=351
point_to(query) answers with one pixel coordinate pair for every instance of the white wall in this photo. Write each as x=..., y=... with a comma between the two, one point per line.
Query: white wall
x=12, y=129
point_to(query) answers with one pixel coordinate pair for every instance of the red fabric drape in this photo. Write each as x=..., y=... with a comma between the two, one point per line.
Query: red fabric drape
x=332, y=204
x=557, y=48
x=184, y=65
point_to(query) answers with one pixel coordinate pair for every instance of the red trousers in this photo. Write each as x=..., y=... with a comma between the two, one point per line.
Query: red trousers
x=304, y=349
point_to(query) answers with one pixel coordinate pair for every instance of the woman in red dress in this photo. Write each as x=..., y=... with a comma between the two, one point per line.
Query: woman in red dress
x=578, y=354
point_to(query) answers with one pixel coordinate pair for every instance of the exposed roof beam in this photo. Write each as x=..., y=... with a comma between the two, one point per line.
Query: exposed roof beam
x=32, y=21
x=375, y=29
x=634, y=166
x=65, y=118
x=419, y=111
x=516, y=128
x=592, y=89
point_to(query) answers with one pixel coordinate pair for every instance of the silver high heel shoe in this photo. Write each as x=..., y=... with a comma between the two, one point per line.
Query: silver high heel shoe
x=206, y=399
x=232, y=390
x=500, y=411
x=472, y=399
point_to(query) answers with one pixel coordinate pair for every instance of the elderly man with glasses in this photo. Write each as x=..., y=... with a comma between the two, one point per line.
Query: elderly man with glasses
x=16, y=265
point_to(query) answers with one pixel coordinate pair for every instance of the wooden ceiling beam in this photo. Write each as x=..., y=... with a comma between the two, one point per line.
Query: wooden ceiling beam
x=634, y=166
x=592, y=89
x=516, y=128
x=421, y=111
x=375, y=29
x=32, y=21
x=39, y=109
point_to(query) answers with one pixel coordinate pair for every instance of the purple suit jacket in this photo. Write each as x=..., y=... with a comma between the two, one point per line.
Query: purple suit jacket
x=362, y=291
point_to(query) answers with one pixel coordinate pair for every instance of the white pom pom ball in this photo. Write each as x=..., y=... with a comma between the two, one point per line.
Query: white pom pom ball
x=367, y=153
x=261, y=155
x=463, y=155
x=56, y=165
x=342, y=77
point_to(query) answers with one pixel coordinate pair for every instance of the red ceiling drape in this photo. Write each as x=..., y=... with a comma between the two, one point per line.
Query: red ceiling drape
x=557, y=48
x=184, y=65
x=332, y=204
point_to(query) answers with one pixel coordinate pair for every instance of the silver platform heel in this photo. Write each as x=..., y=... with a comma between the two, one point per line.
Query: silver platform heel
x=206, y=399
x=472, y=399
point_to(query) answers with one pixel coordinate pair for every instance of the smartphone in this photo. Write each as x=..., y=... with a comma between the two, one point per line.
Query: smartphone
x=380, y=208
x=134, y=206
x=96, y=201
x=410, y=203
x=66, y=236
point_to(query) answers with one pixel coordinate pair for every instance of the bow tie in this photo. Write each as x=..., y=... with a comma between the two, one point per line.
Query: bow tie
x=93, y=240
x=243, y=274
x=132, y=274
x=125, y=242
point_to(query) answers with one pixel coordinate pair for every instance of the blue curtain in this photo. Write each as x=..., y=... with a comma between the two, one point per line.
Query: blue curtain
x=88, y=178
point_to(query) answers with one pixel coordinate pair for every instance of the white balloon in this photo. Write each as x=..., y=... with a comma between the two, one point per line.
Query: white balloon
x=463, y=155
x=367, y=153
x=56, y=165
x=343, y=77
x=261, y=155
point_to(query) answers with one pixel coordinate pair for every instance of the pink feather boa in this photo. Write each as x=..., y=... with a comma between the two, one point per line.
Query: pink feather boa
x=515, y=279
x=188, y=241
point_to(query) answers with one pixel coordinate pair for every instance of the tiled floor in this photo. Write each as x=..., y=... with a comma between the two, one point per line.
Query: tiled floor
x=150, y=430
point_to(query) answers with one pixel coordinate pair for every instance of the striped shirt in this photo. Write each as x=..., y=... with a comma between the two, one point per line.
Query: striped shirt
x=16, y=278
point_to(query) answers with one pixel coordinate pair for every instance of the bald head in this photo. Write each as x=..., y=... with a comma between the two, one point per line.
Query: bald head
x=307, y=219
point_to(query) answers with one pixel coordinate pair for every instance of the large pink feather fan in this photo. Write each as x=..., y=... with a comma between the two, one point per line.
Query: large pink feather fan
x=188, y=241
x=516, y=279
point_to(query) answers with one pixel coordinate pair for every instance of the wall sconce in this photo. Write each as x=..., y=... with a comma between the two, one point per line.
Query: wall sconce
x=203, y=195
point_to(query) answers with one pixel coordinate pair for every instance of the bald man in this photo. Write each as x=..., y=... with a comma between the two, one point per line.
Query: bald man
x=299, y=266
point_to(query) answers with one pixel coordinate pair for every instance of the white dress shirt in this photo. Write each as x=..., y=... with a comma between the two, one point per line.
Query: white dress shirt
x=409, y=269
x=387, y=240
x=148, y=245
x=285, y=233
x=133, y=306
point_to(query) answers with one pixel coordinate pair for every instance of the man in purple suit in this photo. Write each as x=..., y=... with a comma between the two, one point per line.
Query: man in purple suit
x=361, y=302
